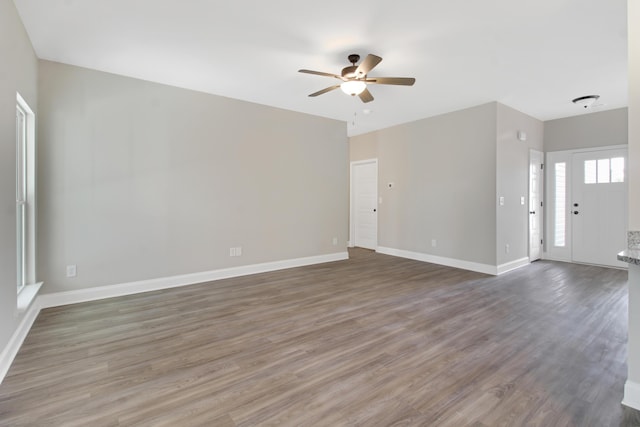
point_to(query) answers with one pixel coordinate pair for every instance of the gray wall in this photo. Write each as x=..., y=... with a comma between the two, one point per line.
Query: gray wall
x=512, y=180
x=444, y=171
x=18, y=73
x=363, y=147
x=586, y=131
x=140, y=180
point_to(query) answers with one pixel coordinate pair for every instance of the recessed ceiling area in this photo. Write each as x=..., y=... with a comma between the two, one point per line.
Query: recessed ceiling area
x=533, y=56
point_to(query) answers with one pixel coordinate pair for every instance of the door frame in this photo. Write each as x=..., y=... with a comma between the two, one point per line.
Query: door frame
x=575, y=182
x=564, y=253
x=539, y=209
x=352, y=227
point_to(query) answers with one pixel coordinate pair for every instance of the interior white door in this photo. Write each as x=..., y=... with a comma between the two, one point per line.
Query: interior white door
x=599, y=206
x=365, y=204
x=536, y=160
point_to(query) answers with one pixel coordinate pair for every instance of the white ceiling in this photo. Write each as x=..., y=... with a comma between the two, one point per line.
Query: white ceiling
x=534, y=56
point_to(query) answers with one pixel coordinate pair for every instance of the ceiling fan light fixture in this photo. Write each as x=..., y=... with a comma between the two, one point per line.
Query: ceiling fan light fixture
x=585, y=101
x=354, y=80
x=353, y=87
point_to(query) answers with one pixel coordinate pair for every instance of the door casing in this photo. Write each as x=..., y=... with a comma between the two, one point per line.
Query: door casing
x=536, y=185
x=352, y=201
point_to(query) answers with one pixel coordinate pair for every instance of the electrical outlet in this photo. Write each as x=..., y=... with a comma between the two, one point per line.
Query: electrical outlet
x=239, y=251
x=71, y=270
x=506, y=248
x=335, y=241
x=434, y=243
x=501, y=200
x=235, y=251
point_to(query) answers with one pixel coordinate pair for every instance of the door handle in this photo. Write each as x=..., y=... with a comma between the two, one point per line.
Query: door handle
x=532, y=212
x=375, y=210
x=576, y=212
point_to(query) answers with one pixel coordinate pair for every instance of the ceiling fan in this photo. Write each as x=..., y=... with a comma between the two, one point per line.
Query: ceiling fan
x=354, y=78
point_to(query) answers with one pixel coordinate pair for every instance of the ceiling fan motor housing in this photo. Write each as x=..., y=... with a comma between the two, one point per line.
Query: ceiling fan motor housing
x=349, y=72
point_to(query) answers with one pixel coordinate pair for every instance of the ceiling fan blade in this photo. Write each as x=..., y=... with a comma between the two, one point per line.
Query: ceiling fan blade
x=366, y=96
x=320, y=73
x=325, y=90
x=402, y=81
x=367, y=65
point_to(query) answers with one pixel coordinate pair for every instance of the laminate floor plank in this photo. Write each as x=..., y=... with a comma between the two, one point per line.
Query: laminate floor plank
x=371, y=341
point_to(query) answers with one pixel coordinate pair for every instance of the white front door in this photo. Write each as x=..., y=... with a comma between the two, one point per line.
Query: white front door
x=364, y=193
x=599, y=206
x=536, y=159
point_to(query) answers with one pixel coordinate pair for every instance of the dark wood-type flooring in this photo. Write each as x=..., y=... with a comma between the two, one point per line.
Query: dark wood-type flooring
x=372, y=341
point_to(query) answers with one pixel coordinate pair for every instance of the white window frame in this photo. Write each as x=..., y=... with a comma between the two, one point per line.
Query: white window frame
x=26, y=202
x=21, y=197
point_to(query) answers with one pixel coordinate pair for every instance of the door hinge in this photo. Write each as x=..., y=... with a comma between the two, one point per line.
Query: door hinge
x=541, y=204
x=541, y=165
x=541, y=241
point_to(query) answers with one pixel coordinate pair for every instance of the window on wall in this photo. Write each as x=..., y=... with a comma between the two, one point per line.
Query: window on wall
x=604, y=171
x=560, y=202
x=25, y=195
x=21, y=195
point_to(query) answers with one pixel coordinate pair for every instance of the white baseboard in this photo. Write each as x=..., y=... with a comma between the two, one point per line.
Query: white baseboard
x=15, y=342
x=434, y=259
x=110, y=291
x=632, y=395
x=512, y=265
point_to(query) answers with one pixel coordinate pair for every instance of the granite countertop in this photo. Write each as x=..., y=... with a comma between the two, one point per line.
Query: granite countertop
x=632, y=256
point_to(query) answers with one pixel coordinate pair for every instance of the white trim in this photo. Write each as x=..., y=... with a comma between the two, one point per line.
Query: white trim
x=30, y=160
x=434, y=259
x=539, y=155
x=121, y=289
x=352, y=226
x=512, y=265
x=27, y=295
x=631, y=395
x=15, y=342
x=587, y=150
